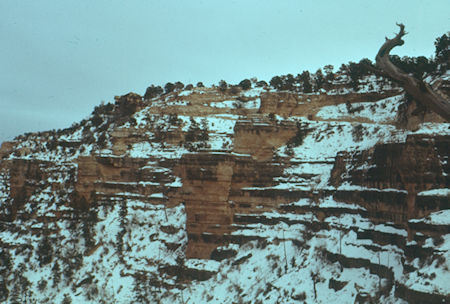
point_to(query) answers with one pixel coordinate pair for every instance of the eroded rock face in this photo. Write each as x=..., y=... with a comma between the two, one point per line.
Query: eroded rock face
x=291, y=104
x=212, y=194
x=107, y=175
x=416, y=165
x=24, y=177
x=261, y=137
x=6, y=148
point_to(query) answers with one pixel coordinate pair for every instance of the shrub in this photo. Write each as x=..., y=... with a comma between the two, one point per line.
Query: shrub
x=101, y=141
x=169, y=87
x=223, y=86
x=276, y=82
x=103, y=127
x=357, y=133
x=90, y=219
x=417, y=66
x=42, y=285
x=442, y=46
x=178, y=86
x=245, y=84
x=351, y=109
x=289, y=82
x=152, y=92
x=44, y=251
x=305, y=80
x=300, y=296
x=197, y=137
x=123, y=212
x=443, y=51
x=100, y=109
x=204, y=134
x=126, y=105
x=51, y=144
x=96, y=120
x=192, y=132
x=329, y=75
x=356, y=71
x=174, y=120
x=302, y=131
x=67, y=299
x=261, y=84
x=5, y=260
x=319, y=79
x=56, y=271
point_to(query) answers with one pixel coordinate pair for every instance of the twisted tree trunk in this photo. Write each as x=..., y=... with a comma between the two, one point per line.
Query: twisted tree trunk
x=417, y=89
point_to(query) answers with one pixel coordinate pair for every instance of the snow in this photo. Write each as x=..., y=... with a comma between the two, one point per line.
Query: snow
x=252, y=104
x=312, y=161
x=154, y=149
x=176, y=183
x=223, y=124
x=113, y=278
x=140, y=117
x=433, y=276
x=177, y=103
x=208, y=265
x=290, y=269
x=220, y=129
x=218, y=142
x=328, y=138
x=72, y=137
x=436, y=218
x=346, y=186
x=185, y=93
x=255, y=92
x=389, y=229
x=320, y=175
x=435, y=192
x=384, y=110
x=433, y=128
x=224, y=104
x=329, y=202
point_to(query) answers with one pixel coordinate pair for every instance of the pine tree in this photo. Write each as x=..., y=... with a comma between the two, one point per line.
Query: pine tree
x=122, y=218
x=305, y=79
x=276, y=83
x=245, y=84
x=153, y=91
x=319, y=80
x=223, y=85
x=44, y=251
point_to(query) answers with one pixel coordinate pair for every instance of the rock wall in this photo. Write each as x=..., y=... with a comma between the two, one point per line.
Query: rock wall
x=417, y=165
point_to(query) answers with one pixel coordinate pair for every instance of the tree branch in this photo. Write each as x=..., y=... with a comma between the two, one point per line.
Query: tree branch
x=419, y=90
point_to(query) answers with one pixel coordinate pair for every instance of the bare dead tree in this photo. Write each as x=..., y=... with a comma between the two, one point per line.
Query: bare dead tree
x=420, y=91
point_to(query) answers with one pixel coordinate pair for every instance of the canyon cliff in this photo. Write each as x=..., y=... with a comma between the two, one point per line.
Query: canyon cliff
x=257, y=195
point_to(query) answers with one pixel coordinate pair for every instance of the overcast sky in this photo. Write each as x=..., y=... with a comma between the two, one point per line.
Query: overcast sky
x=58, y=59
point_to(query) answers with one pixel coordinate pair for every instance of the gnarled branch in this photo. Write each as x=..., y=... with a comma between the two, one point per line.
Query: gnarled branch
x=419, y=90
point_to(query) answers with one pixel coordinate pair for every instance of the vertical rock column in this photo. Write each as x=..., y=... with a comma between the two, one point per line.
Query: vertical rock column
x=206, y=186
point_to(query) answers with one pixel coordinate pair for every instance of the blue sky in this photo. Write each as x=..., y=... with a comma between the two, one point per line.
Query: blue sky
x=59, y=59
